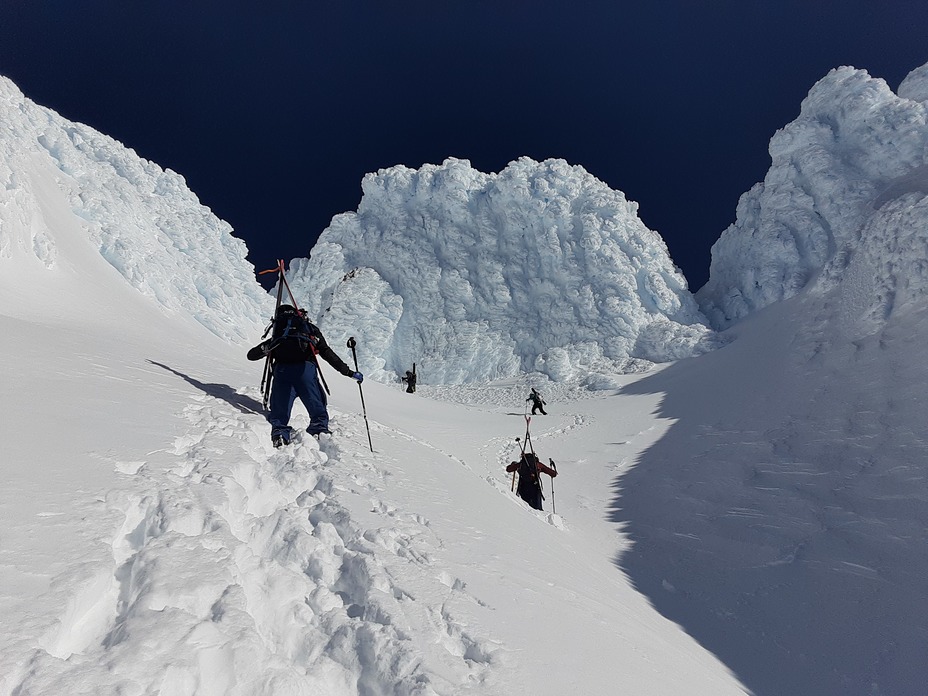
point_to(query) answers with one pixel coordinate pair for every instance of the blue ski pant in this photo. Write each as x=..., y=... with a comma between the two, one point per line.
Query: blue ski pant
x=292, y=380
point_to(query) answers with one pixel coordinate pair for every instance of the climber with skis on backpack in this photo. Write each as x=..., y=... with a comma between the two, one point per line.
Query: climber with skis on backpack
x=410, y=380
x=538, y=404
x=294, y=347
x=529, y=469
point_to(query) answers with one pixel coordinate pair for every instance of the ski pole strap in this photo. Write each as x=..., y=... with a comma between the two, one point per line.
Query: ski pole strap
x=276, y=269
x=283, y=278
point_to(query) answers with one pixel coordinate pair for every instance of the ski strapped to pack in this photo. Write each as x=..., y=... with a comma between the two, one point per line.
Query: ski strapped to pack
x=268, y=375
x=523, y=444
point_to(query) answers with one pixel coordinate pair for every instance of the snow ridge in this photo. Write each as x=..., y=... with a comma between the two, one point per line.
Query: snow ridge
x=479, y=276
x=143, y=219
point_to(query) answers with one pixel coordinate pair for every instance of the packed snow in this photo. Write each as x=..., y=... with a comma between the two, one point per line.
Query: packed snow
x=751, y=519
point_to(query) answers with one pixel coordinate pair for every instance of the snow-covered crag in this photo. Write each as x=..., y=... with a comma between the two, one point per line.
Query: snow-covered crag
x=65, y=183
x=788, y=520
x=476, y=276
x=844, y=201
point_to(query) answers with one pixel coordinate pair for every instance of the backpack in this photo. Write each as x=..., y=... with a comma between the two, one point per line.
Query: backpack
x=293, y=338
x=528, y=472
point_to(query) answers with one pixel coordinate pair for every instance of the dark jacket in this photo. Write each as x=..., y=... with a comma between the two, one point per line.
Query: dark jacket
x=292, y=350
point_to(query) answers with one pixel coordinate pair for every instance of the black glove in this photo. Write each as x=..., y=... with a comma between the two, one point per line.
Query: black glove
x=259, y=351
x=358, y=376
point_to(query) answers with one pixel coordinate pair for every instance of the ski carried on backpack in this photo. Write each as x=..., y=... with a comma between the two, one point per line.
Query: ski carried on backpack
x=268, y=373
x=524, y=445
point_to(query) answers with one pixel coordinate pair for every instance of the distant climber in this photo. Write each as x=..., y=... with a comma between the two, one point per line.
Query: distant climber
x=529, y=468
x=538, y=404
x=293, y=347
x=410, y=380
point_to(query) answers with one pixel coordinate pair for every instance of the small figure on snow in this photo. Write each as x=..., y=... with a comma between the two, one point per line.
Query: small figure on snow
x=410, y=380
x=538, y=404
x=293, y=347
x=529, y=468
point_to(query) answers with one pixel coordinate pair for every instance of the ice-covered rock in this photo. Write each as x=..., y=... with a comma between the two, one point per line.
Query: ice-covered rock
x=842, y=204
x=477, y=276
x=60, y=179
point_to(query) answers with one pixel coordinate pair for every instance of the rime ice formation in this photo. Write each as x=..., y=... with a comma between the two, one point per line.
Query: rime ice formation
x=843, y=203
x=477, y=276
x=64, y=182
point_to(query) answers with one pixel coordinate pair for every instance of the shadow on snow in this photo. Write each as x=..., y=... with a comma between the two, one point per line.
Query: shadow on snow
x=243, y=403
x=781, y=535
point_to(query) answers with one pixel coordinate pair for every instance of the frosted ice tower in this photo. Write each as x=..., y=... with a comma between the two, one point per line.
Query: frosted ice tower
x=540, y=268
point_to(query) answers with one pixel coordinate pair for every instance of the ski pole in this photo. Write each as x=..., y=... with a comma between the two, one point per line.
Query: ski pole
x=553, y=506
x=351, y=344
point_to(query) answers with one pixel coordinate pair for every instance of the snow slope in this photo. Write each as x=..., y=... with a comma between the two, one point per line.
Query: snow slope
x=151, y=540
x=192, y=558
x=790, y=517
x=782, y=520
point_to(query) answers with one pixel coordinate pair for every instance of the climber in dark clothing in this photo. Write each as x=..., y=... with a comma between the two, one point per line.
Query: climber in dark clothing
x=529, y=468
x=538, y=404
x=410, y=380
x=294, y=347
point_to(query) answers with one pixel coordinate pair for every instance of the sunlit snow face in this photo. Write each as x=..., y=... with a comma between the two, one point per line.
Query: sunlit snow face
x=540, y=268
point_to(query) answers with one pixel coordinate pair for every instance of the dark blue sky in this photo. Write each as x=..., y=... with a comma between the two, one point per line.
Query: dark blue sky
x=274, y=111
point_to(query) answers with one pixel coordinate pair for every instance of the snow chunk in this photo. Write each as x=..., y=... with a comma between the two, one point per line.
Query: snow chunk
x=915, y=85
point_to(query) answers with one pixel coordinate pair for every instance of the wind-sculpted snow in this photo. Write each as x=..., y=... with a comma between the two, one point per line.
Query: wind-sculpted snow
x=143, y=219
x=842, y=204
x=479, y=276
